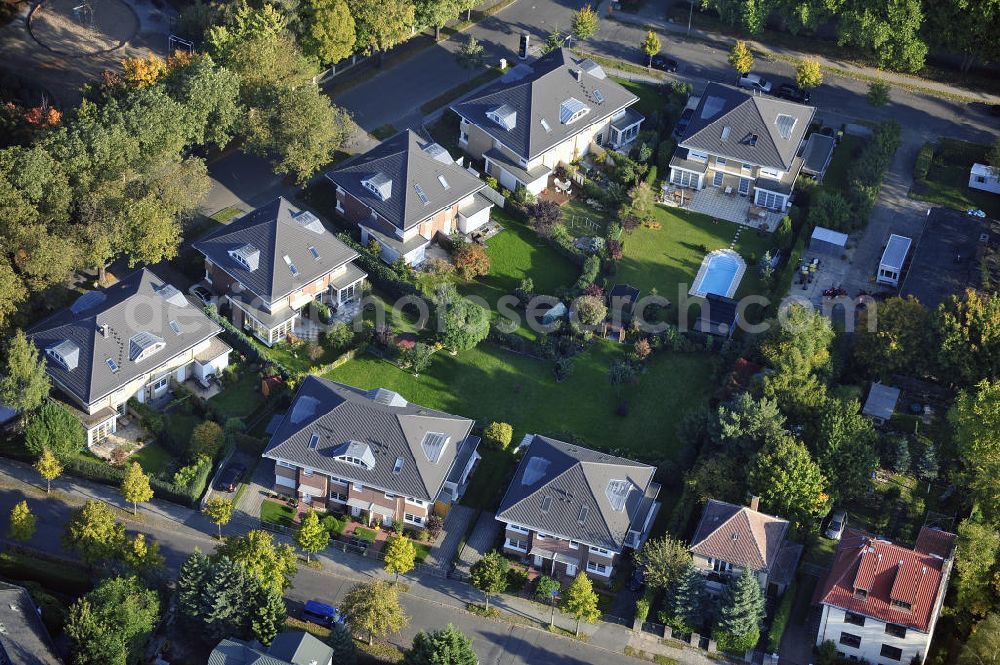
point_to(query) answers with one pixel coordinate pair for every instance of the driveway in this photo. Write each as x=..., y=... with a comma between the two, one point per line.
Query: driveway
x=456, y=525
x=479, y=542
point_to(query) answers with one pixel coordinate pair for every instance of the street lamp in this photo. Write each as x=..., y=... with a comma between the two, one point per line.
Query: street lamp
x=552, y=603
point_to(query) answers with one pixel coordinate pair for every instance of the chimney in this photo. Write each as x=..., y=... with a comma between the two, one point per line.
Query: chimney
x=103, y=327
x=754, y=503
x=579, y=74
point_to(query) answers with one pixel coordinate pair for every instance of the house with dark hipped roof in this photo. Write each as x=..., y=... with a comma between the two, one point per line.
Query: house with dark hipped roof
x=293, y=647
x=23, y=638
x=128, y=340
x=745, y=146
x=730, y=538
x=881, y=601
x=539, y=115
x=569, y=508
x=406, y=190
x=270, y=263
x=370, y=451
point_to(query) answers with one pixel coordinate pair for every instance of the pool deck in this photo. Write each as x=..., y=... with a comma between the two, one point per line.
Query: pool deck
x=699, y=280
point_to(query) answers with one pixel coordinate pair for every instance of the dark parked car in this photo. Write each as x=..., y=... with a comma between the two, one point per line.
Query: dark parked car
x=230, y=478
x=683, y=123
x=202, y=294
x=664, y=64
x=792, y=93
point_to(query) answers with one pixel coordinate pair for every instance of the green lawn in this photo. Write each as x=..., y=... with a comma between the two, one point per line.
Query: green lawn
x=651, y=96
x=947, y=182
x=491, y=478
x=296, y=358
x=277, y=513
x=489, y=383
x=239, y=398
x=668, y=258
x=154, y=459
x=180, y=424
x=843, y=157
x=582, y=220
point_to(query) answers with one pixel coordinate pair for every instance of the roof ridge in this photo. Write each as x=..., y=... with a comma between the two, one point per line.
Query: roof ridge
x=756, y=541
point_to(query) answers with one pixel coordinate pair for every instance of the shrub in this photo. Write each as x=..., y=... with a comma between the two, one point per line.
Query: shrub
x=517, y=579
x=878, y=93
x=499, y=434
x=591, y=269
x=435, y=525
x=544, y=215
x=471, y=260
x=333, y=525
x=339, y=337
x=780, y=621
x=923, y=163
x=206, y=439
x=831, y=210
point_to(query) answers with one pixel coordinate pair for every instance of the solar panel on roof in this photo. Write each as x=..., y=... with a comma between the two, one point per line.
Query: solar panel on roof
x=617, y=492
x=420, y=193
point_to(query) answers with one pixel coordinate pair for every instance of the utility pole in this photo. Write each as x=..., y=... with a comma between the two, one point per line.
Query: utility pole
x=690, y=15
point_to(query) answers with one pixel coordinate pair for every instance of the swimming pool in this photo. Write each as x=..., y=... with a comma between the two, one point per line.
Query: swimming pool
x=720, y=273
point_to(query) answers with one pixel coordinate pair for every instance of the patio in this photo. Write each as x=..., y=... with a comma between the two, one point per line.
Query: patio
x=130, y=436
x=715, y=202
x=556, y=190
x=306, y=328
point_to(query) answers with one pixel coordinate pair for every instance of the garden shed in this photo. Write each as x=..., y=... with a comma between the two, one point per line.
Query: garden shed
x=828, y=242
x=881, y=402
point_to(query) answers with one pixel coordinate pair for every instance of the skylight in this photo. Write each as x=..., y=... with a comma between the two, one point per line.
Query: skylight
x=434, y=444
x=584, y=512
x=313, y=441
x=572, y=110
x=398, y=466
x=444, y=182
x=420, y=193
x=386, y=397
x=534, y=470
x=291, y=266
x=546, y=126
x=546, y=503
x=112, y=365
x=599, y=96
x=617, y=492
x=725, y=132
x=314, y=252
x=786, y=124
x=176, y=327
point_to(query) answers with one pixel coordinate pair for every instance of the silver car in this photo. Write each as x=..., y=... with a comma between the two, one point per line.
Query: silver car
x=835, y=529
x=755, y=82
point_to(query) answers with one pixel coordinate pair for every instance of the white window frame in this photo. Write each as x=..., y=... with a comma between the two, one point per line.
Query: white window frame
x=688, y=179
x=717, y=179
x=518, y=529
x=601, y=569
x=338, y=497
x=720, y=161
x=515, y=544
x=416, y=502
x=574, y=545
x=413, y=519
x=358, y=487
x=600, y=550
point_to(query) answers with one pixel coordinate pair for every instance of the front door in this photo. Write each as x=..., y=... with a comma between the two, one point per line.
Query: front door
x=538, y=561
x=570, y=570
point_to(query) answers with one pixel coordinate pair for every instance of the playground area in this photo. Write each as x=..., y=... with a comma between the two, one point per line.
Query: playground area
x=82, y=27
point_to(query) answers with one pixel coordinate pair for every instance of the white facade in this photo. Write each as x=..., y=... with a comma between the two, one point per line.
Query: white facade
x=876, y=642
x=984, y=178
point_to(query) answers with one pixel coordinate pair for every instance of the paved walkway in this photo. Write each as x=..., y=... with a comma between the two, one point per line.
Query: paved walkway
x=479, y=542
x=456, y=525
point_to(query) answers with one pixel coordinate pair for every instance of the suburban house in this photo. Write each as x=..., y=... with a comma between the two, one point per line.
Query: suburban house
x=272, y=262
x=128, y=340
x=23, y=638
x=293, y=647
x=370, y=452
x=730, y=538
x=880, y=600
x=543, y=114
x=406, y=190
x=570, y=508
x=985, y=178
x=740, y=155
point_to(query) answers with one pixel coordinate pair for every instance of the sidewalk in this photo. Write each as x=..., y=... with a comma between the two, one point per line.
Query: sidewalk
x=646, y=18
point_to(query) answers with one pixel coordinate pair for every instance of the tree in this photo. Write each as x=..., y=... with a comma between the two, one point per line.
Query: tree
x=381, y=25
x=845, y=448
x=206, y=438
x=373, y=607
x=93, y=533
x=651, y=47
x=499, y=434
x=442, y=647
x=968, y=331
x=311, y=536
x=831, y=210
x=466, y=324
x=964, y=26
x=554, y=41
x=580, y=601
x=48, y=468
x=190, y=581
x=53, y=428
x=328, y=30
x=789, y=482
x=112, y=623
x=400, y=556
x=808, y=74
x=272, y=564
x=742, y=609
x=585, y=23
x=899, y=451
x=342, y=643
x=983, y=645
x=489, y=574
x=975, y=421
x=22, y=522
x=748, y=423
x=898, y=342
x=663, y=560
x=740, y=57
x=418, y=358
x=268, y=614
x=226, y=601
x=141, y=555
x=471, y=53
x=135, y=487
x=471, y=260
x=24, y=385
x=993, y=157
x=12, y=292
x=220, y=511
x=435, y=13
x=545, y=216
x=975, y=557
x=798, y=349
x=878, y=93
x=687, y=603
x=588, y=310
x=546, y=589
x=144, y=72
x=209, y=96
x=890, y=30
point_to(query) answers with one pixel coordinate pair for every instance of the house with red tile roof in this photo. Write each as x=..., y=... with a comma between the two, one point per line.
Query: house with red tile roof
x=730, y=538
x=880, y=600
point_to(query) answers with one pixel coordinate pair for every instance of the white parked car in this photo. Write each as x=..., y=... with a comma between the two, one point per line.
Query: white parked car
x=755, y=82
x=835, y=529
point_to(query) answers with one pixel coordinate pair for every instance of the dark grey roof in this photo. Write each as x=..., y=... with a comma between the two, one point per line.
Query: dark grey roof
x=23, y=640
x=414, y=167
x=881, y=402
x=727, y=118
x=271, y=233
x=577, y=493
x=300, y=648
x=543, y=93
x=944, y=260
x=718, y=315
x=236, y=652
x=142, y=305
x=817, y=153
x=680, y=160
x=381, y=421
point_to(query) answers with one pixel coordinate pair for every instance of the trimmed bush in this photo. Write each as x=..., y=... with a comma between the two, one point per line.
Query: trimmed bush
x=499, y=435
x=923, y=163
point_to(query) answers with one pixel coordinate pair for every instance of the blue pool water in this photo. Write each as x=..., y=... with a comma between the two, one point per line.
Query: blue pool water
x=719, y=275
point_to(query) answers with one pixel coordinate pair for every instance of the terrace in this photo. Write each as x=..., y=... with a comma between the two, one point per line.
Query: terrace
x=723, y=202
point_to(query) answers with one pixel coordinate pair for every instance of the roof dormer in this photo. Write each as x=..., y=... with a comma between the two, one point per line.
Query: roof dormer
x=309, y=222
x=143, y=345
x=617, y=492
x=65, y=353
x=504, y=115
x=785, y=124
x=572, y=110
x=247, y=256
x=380, y=185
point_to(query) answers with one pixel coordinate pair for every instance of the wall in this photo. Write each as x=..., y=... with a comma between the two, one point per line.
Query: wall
x=873, y=636
x=479, y=141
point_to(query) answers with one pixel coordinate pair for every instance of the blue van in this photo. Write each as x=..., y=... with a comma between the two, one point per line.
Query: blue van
x=321, y=614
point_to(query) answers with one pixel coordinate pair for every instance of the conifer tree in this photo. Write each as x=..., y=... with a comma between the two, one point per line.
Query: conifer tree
x=268, y=614
x=342, y=643
x=687, y=607
x=738, y=627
